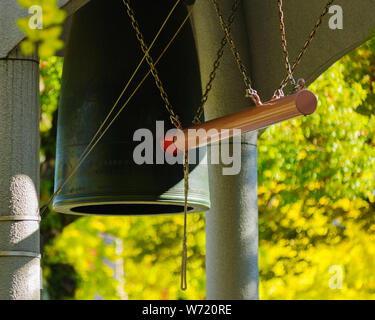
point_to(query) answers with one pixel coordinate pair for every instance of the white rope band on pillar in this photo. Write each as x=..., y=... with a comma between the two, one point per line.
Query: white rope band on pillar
x=20, y=254
x=19, y=218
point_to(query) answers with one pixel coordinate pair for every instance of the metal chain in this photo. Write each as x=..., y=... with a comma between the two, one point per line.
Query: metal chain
x=284, y=44
x=307, y=42
x=216, y=66
x=197, y=120
x=176, y=122
x=250, y=91
x=173, y=117
x=99, y=133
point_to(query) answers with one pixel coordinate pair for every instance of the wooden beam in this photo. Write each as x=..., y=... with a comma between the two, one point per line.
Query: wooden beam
x=261, y=116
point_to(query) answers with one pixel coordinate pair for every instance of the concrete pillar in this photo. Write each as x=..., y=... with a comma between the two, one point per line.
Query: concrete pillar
x=19, y=177
x=232, y=229
x=232, y=223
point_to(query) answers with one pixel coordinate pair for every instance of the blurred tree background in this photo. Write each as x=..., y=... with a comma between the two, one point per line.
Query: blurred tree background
x=45, y=39
x=316, y=208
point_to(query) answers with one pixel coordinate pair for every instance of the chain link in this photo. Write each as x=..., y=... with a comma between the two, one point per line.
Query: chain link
x=173, y=117
x=176, y=122
x=284, y=44
x=250, y=92
x=306, y=45
x=216, y=65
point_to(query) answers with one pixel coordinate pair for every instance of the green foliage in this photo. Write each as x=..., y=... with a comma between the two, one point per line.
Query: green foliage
x=316, y=184
x=46, y=39
x=61, y=284
x=360, y=70
x=316, y=208
x=49, y=83
x=151, y=255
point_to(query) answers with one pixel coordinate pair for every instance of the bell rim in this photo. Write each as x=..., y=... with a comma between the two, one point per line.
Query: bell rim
x=66, y=206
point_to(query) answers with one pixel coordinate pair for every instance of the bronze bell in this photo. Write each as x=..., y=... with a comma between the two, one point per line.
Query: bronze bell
x=102, y=53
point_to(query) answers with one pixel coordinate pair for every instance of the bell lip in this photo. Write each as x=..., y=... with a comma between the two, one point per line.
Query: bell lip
x=65, y=206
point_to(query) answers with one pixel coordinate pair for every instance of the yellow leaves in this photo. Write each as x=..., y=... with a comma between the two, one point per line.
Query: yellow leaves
x=310, y=202
x=278, y=269
x=354, y=214
x=308, y=275
x=295, y=209
x=358, y=284
x=274, y=202
x=267, y=173
x=262, y=190
x=321, y=231
x=152, y=256
x=324, y=201
x=98, y=225
x=371, y=197
x=302, y=154
x=353, y=208
x=42, y=27
x=45, y=122
x=302, y=204
x=301, y=267
x=313, y=185
x=27, y=47
x=343, y=203
x=306, y=281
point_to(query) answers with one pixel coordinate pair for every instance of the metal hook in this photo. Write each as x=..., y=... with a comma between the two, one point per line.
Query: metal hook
x=279, y=93
x=253, y=94
x=300, y=85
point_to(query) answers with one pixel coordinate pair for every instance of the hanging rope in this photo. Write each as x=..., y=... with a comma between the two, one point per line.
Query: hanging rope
x=196, y=120
x=173, y=117
x=176, y=122
x=184, y=241
x=92, y=144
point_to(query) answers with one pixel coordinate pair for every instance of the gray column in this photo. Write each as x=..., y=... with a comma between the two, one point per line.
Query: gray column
x=19, y=177
x=232, y=223
x=232, y=230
